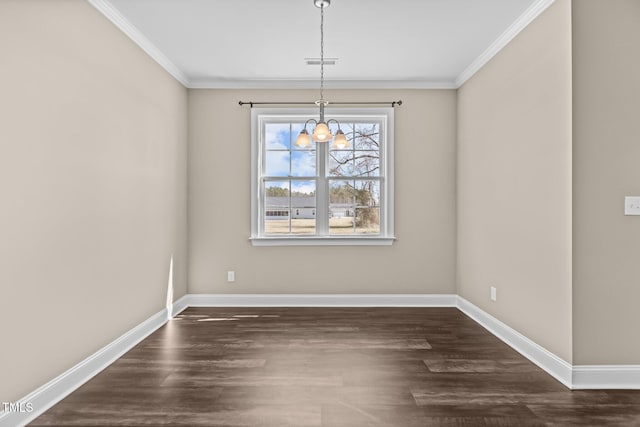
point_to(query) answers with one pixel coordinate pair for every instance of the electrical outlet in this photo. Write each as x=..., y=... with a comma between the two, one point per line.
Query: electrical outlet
x=231, y=276
x=631, y=205
x=494, y=293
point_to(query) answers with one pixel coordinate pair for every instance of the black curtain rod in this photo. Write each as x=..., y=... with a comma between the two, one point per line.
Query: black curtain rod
x=251, y=103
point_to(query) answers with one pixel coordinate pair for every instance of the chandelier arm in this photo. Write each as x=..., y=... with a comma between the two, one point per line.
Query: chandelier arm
x=335, y=121
x=315, y=122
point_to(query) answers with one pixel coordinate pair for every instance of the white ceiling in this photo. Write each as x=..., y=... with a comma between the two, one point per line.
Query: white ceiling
x=257, y=43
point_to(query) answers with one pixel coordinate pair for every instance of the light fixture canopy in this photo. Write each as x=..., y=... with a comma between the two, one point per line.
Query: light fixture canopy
x=321, y=132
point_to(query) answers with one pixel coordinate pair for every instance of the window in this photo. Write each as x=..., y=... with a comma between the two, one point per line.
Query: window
x=325, y=195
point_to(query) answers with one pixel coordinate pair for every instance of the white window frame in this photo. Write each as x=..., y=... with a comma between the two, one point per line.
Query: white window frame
x=260, y=116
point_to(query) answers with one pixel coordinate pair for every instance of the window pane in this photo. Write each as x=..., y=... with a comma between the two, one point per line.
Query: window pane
x=303, y=207
x=367, y=193
x=340, y=163
x=276, y=192
x=341, y=192
x=304, y=189
x=342, y=224
x=367, y=221
x=341, y=207
x=276, y=215
x=367, y=136
x=277, y=136
x=277, y=163
x=303, y=163
x=366, y=163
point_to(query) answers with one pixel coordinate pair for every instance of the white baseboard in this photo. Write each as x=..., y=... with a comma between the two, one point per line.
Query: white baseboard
x=64, y=384
x=322, y=300
x=574, y=377
x=599, y=377
x=552, y=364
x=180, y=305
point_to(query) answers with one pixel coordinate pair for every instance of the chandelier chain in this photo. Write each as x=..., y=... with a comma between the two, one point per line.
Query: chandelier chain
x=322, y=52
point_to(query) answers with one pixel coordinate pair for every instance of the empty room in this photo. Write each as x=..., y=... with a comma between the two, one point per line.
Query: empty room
x=319, y=213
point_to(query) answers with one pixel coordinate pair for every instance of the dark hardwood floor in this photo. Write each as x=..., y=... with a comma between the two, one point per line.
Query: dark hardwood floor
x=331, y=367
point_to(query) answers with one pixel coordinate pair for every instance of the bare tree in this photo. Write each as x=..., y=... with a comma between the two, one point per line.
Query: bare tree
x=360, y=161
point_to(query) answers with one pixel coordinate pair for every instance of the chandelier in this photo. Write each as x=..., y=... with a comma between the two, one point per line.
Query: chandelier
x=321, y=132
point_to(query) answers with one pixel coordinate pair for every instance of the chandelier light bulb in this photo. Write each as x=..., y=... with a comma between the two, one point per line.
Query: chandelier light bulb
x=322, y=133
x=341, y=142
x=303, y=140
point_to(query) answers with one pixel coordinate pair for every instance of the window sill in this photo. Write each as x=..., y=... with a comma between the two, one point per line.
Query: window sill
x=323, y=241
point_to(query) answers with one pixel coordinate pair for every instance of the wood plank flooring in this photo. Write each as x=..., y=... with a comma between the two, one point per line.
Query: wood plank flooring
x=329, y=367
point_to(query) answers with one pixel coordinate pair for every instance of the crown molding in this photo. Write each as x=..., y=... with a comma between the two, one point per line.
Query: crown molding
x=113, y=15
x=510, y=33
x=313, y=84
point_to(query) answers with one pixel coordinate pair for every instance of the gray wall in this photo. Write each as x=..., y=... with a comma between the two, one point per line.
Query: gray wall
x=514, y=183
x=422, y=260
x=606, y=151
x=93, y=185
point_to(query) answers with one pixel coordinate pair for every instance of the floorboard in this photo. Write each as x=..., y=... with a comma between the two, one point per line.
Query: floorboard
x=330, y=367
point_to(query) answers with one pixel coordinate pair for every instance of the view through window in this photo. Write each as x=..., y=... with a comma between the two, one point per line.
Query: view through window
x=321, y=191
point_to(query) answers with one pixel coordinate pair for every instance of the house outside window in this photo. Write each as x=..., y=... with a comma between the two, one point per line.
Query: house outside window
x=330, y=196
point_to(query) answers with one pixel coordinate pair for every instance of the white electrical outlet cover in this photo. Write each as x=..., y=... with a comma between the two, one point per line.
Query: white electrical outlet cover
x=632, y=205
